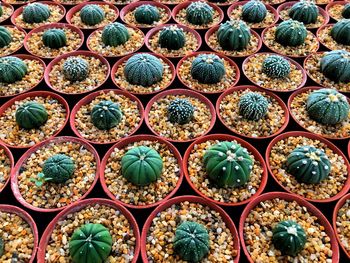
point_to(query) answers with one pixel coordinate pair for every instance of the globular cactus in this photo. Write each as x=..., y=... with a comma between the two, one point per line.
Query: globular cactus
x=233, y=35
x=335, y=65
x=58, y=168
x=106, y=115
x=180, y=111
x=35, y=13
x=146, y=14
x=254, y=11
x=304, y=11
x=346, y=11
x=12, y=69
x=92, y=15
x=208, y=69
x=115, y=34
x=31, y=115
x=5, y=37
x=75, y=69
x=54, y=38
x=291, y=33
x=199, y=13
x=1, y=10
x=341, y=32
x=253, y=106
x=172, y=38
x=276, y=67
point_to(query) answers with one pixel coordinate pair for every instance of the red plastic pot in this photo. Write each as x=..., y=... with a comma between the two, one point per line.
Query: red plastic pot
x=253, y=88
x=288, y=197
x=12, y=164
x=91, y=97
x=331, y=4
x=14, y=51
x=339, y=205
x=125, y=142
x=49, y=26
x=70, y=3
x=186, y=92
x=193, y=199
x=214, y=29
x=268, y=7
x=75, y=53
x=226, y=137
x=232, y=63
x=26, y=155
x=125, y=58
x=272, y=90
x=321, y=11
x=130, y=7
x=115, y=56
x=45, y=239
x=290, y=100
x=312, y=136
x=12, y=9
x=19, y=11
x=24, y=215
x=154, y=30
x=32, y=95
x=78, y=7
x=22, y=56
x=184, y=5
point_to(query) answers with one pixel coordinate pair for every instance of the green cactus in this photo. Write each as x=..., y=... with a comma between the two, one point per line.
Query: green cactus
x=58, y=168
x=1, y=246
x=208, y=69
x=172, y=38
x=180, y=111
x=1, y=10
x=146, y=14
x=75, y=69
x=92, y=14
x=276, y=67
x=91, y=243
x=308, y=164
x=346, y=11
x=12, y=69
x=341, y=32
x=5, y=37
x=291, y=33
x=304, y=11
x=106, y=115
x=115, y=34
x=199, y=13
x=54, y=38
x=35, y=13
x=253, y=106
x=228, y=164
x=143, y=69
x=327, y=106
x=254, y=11
x=335, y=65
x=31, y=115
x=191, y=242
x=234, y=35
x=141, y=165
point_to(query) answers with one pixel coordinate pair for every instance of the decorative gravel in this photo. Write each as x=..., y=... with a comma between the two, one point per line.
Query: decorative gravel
x=134, y=43
x=199, y=125
x=129, y=193
x=171, y=2
x=298, y=109
x=34, y=74
x=13, y=135
x=253, y=71
x=5, y=168
x=120, y=2
x=16, y=43
x=273, y=2
x=36, y=45
x=326, y=188
x=312, y=66
x=17, y=2
x=266, y=215
x=18, y=238
x=56, y=14
x=226, y=82
x=129, y=122
x=336, y=10
x=162, y=84
x=284, y=15
x=70, y=2
x=343, y=225
x=97, y=74
x=323, y=2
x=129, y=18
x=6, y=13
x=309, y=46
x=110, y=16
x=223, y=2
x=159, y=245
x=181, y=18
x=325, y=37
x=267, y=126
x=269, y=19
x=191, y=45
x=123, y=237
x=253, y=46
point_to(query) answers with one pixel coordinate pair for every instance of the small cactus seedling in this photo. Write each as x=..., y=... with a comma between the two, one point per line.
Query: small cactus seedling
x=253, y=106
x=180, y=111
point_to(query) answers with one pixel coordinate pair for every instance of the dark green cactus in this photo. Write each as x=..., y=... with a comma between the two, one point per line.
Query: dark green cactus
x=146, y=14
x=12, y=69
x=75, y=69
x=208, y=69
x=346, y=11
x=254, y=11
x=327, y=106
x=341, y=32
x=31, y=115
x=5, y=37
x=35, y=13
x=304, y=11
x=115, y=34
x=1, y=10
x=92, y=14
x=335, y=65
x=106, y=115
x=199, y=13
x=1, y=246
x=180, y=111
x=172, y=38
x=276, y=67
x=228, y=164
x=142, y=165
x=233, y=35
x=191, y=242
x=291, y=33
x=54, y=38
x=253, y=106
x=58, y=168
x=308, y=164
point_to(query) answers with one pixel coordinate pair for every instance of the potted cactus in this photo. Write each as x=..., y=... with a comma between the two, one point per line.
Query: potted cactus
x=335, y=36
x=6, y=10
x=155, y=73
x=341, y=223
x=173, y=40
x=11, y=39
x=37, y=14
x=20, y=73
x=307, y=165
x=6, y=166
x=158, y=179
x=113, y=231
x=274, y=72
x=107, y=116
x=338, y=10
x=322, y=111
x=180, y=115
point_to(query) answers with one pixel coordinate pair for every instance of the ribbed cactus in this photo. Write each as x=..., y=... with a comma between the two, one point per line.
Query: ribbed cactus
x=346, y=11
x=146, y=14
x=233, y=35
x=1, y=243
x=115, y=34
x=58, y=168
x=106, y=115
x=254, y=11
x=199, y=13
x=341, y=32
x=335, y=65
x=75, y=69
x=276, y=66
x=172, y=38
x=5, y=37
x=92, y=14
x=304, y=11
x=35, y=13
x=54, y=38
x=208, y=69
x=1, y=10
x=291, y=33
x=180, y=111
x=12, y=69
x=31, y=115
x=253, y=106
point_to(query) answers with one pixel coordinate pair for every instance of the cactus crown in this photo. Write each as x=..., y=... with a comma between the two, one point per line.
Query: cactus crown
x=58, y=168
x=276, y=66
x=180, y=111
x=75, y=69
x=146, y=14
x=106, y=115
x=253, y=106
